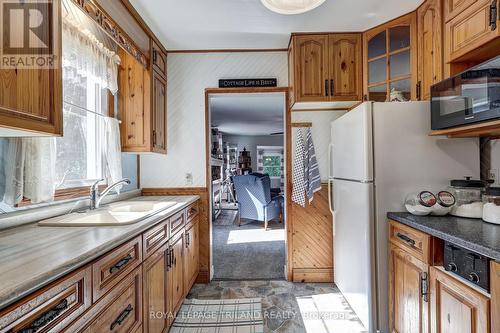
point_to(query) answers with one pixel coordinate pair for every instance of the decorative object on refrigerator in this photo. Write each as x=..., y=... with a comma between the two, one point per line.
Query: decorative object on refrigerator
x=445, y=202
x=397, y=96
x=298, y=177
x=491, y=208
x=420, y=203
x=468, y=194
x=313, y=179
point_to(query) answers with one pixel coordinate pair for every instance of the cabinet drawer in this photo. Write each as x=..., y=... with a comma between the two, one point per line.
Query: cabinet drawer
x=454, y=7
x=176, y=223
x=413, y=241
x=120, y=310
x=159, y=59
x=112, y=267
x=154, y=238
x=52, y=308
x=192, y=211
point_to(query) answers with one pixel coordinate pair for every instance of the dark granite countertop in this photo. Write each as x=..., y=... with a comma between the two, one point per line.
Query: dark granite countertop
x=472, y=234
x=32, y=256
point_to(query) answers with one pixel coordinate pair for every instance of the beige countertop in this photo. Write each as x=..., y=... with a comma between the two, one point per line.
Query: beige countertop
x=32, y=256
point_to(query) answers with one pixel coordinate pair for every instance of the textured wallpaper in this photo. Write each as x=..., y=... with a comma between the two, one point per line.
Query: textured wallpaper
x=189, y=74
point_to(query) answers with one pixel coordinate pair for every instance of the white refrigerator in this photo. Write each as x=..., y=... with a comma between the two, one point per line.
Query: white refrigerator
x=379, y=153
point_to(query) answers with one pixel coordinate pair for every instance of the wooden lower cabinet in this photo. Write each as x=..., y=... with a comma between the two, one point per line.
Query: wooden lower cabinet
x=495, y=296
x=191, y=261
x=456, y=307
x=155, y=294
x=408, y=299
x=118, y=311
x=175, y=277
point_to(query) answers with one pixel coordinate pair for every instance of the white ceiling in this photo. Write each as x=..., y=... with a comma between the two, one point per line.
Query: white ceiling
x=246, y=24
x=247, y=114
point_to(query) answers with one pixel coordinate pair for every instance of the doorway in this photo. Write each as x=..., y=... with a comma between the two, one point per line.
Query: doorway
x=246, y=176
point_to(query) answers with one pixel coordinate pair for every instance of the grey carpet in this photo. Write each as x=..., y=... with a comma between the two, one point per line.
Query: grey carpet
x=243, y=261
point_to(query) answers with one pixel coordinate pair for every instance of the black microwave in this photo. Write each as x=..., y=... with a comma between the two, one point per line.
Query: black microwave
x=469, y=97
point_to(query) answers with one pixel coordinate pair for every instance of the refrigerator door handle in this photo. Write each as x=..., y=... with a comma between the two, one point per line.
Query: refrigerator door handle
x=330, y=149
x=330, y=197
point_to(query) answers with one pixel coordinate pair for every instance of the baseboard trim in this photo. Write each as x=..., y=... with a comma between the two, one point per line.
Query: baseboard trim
x=317, y=275
x=203, y=277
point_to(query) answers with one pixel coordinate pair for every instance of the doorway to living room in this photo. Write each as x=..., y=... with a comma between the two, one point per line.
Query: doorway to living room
x=246, y=169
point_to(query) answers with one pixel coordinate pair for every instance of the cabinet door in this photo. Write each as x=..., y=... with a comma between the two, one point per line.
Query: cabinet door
x=155, y=291
x=469, y=30
x=311, y=59
x=176, y=272
x=408, y=303
x=430, y=51
x=495, y=296
x=159, y=114
x=31, y=98
x=191, y=261
x=454, y=7
x=345, y=67
x=456, y=307
x=134, y=104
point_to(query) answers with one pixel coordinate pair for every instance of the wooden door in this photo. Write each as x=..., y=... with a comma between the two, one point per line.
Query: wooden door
x=31, y=98
x=155, y=297
x=469, y=30
x=191, y=259
x=456, y=307
x=345, y=67
x=454, y=7
x=430, y=51
x=176, y=273
x=134, y=104
x=159, y=114
x=311, y=59
x=408, y=302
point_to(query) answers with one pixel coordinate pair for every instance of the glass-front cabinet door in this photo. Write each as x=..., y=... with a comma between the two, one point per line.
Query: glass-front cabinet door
x=390, y=61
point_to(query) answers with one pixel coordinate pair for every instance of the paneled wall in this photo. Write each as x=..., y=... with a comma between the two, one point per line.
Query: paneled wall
x=189, y=74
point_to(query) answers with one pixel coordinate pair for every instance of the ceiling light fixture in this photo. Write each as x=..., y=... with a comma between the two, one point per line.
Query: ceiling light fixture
x=291, y=7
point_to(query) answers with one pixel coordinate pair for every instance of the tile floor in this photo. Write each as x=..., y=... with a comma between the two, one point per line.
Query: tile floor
x=290, y=307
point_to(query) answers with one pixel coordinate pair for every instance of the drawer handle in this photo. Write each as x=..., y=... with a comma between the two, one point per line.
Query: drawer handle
x=116, y=267
x=493, y=15
x=46, y=318
x=119, y=320
x=188, y=240
x=406, y=238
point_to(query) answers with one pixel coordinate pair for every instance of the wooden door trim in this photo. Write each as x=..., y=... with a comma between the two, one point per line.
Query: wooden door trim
x=288, y=162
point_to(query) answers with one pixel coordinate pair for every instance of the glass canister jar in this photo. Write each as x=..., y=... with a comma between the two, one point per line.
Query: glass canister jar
x=420, y=203
x=491, y=208
x=468, y=195
x=444, y=203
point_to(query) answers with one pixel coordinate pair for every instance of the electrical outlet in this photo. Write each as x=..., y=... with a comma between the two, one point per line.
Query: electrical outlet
x=189, y=178
x=493, y=175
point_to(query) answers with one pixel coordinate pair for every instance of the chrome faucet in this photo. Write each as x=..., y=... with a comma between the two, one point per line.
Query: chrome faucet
x=96, y=197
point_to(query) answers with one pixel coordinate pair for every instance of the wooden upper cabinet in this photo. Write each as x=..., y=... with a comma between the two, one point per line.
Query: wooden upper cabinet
x=159, y=59
x=456, y=307
x=345, y=66
x=31, y=98
x=430, y=48
x=311, y=61
x=454, y=7
x=408, y=304
x=390, y=59
x=159, y=114
x=471, y=29
x=325, y=67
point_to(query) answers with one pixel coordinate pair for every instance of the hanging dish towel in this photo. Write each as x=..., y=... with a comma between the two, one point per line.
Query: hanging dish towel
x=313, y=180
x=113, y=151
x=298, y=168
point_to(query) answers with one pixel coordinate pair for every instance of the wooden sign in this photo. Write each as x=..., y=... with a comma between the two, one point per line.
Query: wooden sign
x=247, y=83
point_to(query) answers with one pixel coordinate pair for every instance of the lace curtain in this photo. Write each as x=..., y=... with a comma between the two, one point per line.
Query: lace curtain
x=84, y=53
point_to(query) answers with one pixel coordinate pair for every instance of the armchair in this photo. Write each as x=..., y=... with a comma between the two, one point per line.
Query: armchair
x=255, y=202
